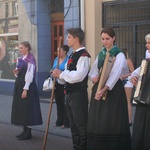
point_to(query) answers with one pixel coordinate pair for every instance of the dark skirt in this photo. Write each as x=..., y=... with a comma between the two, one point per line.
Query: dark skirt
x=108, y=126
x=141, y=128
x=26, y=111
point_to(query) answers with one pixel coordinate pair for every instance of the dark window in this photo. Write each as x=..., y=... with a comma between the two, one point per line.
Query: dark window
x=57, y=6
x=131, y=21
x=8, y=38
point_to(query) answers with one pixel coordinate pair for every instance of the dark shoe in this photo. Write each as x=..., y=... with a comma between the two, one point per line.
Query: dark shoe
x=23, y=132
x=27, y=135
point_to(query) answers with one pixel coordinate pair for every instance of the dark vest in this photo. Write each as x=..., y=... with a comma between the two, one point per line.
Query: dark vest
x=71, y=65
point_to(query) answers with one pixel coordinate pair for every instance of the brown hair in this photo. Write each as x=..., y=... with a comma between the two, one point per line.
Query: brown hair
x=109, y=31
x=26, y=44
x=77, y=32
x=65, y=48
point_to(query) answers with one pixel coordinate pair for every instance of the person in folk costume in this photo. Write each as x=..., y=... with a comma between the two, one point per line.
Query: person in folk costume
x=76, y=77
x=108, y=125
x=141, y=129
x=129, y=68
x=26, y=105
x=62, y=118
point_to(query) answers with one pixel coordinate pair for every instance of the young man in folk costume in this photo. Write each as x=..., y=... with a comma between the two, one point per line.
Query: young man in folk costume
x=76, y=77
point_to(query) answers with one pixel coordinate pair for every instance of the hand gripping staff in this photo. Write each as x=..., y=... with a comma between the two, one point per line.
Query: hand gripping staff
x=51, y=99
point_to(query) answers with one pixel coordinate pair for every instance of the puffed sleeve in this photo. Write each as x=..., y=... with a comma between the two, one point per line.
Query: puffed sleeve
x=78, y=75
x=116, y=71
x=29, y=76
x=94, y=71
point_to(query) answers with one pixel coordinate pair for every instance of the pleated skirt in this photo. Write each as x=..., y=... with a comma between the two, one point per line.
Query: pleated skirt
x=108, y=125
x=26, y=111
x=141, y=128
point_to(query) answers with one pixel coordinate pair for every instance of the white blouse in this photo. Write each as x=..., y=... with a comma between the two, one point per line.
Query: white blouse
x=136, y=72
x=116, y=71
x=29, y=75
x=78, y=75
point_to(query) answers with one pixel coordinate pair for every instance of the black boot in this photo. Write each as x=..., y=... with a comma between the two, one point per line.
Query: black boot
x=83, y=141
x=75, y=139
x=83, y=138
x=23, y=132
x=27, y=135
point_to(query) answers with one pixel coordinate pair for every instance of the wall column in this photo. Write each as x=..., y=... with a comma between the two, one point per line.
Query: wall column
x=93, y=26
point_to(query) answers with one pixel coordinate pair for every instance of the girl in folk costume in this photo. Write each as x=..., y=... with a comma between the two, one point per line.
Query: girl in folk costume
x=108, y=126
x=141, y=129
x=26, y=105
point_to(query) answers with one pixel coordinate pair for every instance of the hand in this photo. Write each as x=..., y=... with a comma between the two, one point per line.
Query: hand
x=56, y=73
x=16, y=71
x=101, y=93
x=122, y=77
x=134, y=80
x=95, y=79
x=24, y=94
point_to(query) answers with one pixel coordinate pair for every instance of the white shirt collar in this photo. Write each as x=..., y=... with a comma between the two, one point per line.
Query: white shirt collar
x=79, y=49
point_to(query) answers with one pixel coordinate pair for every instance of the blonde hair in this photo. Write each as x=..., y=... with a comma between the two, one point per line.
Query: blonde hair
x=147, y=36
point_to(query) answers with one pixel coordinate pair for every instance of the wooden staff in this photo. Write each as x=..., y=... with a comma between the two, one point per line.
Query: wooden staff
x=51, y=100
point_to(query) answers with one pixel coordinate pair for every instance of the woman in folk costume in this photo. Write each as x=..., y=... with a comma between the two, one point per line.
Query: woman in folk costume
x=62, y=118
x=141, y=124
x=128, y=86
x=108, y=126
x=26, y=105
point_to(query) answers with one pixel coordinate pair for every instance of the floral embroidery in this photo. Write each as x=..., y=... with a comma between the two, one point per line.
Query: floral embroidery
x=70, y=61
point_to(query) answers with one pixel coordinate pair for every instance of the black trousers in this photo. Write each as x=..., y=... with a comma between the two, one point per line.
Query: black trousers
x=62, y=118
x=77, y=110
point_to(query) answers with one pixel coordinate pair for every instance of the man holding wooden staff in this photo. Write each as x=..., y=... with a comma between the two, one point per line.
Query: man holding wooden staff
x=76, y=76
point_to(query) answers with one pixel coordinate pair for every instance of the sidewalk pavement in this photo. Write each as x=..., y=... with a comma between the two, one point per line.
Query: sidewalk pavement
x=58, y=139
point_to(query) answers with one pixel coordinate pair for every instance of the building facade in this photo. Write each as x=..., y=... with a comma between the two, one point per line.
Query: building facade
x=43, y=22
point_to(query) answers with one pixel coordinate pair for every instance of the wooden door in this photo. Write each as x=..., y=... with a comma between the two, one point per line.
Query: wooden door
x=57, y=31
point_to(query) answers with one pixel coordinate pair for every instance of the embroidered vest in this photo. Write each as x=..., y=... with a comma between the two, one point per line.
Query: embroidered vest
x=71, y=65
